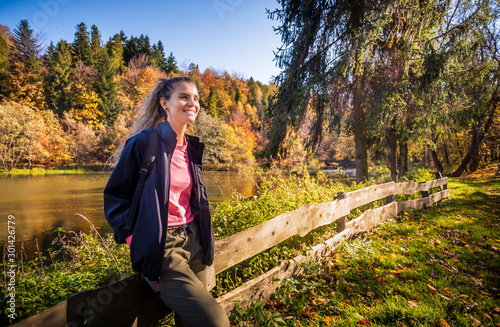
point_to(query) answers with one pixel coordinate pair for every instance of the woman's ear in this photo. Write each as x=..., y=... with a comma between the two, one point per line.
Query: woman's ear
x=163, y=103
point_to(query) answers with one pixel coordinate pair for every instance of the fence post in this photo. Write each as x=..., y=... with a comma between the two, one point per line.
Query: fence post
x=438, y=176
x=341, y=221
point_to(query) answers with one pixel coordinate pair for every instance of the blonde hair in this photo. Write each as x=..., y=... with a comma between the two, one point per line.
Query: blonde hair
x=151, y=112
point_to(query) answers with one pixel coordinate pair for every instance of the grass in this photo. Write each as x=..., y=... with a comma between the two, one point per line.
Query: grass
x=438, y=267
x=41, y=171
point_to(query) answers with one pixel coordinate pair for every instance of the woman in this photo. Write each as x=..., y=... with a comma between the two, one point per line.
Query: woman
x=172, y=241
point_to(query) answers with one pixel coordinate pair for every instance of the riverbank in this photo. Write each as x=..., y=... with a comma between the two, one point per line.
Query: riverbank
x=42, y=171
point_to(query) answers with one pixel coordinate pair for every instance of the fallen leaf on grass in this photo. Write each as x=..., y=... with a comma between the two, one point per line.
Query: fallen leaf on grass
x=412, y=304
x=474, y=320
x=320, y=300
x=364, y=322
x=443, y=323
x=432, y=290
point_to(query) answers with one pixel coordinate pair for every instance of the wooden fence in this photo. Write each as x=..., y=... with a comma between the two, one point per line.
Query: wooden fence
x=130, y=302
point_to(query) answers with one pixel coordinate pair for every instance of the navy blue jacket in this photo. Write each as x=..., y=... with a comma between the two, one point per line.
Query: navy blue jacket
x=148, y=243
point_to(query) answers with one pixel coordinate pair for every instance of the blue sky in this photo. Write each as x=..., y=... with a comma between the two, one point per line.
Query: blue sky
x=231, y=35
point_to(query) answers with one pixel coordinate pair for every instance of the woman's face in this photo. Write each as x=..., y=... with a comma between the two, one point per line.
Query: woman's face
x=183, y=105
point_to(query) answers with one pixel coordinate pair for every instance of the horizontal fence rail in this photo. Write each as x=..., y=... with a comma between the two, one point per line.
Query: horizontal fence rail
x=138, y=305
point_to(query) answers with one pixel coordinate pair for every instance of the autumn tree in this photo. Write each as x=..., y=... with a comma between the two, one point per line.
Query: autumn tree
x=81, y=137
x=25, y=85
x=22, y=135
x=140, y=75
x=84, y=100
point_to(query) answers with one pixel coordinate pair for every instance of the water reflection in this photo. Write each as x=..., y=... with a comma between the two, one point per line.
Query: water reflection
x=43, y=203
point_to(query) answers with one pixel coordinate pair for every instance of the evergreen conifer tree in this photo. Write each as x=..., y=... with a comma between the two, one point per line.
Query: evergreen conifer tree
x=115, y=50
x=131, y=49
x=82, y=49
x=172, y=65
x=95, y=44
x=107, y=87
x=58, y=83
x=158, y=57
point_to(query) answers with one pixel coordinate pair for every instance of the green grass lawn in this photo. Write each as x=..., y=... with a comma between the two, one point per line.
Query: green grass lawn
x=434, y=267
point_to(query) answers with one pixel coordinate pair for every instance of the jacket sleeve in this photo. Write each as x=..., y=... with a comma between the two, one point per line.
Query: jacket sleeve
x=120, y=188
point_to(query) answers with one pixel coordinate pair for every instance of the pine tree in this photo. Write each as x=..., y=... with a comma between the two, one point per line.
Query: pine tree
x=58, y=84
x=172, y=65
x=82, y=50
x=114, y=48
x=158, y=57
x=95, y=44
x=145, y=45
x=212, y=102
x=25, y=82
x=131, y=49
x=107, y=87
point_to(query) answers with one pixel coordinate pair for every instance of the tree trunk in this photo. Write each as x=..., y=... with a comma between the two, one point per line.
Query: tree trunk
x=393, y=154
x=478, y=133
x=359, y=133
x=471, y=153
x=446, y=155
x=434, y=155
x=359, y=123
x=403, y=158
x=437, y=163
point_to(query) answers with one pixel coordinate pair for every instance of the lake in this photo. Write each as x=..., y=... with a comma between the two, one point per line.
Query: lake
x=40, y=204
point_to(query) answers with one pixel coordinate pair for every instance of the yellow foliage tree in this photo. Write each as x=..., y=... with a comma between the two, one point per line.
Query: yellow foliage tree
x=85, y=106
x=135, y=83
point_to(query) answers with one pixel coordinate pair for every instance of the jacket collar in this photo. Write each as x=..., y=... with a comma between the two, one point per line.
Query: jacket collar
x=166, y=133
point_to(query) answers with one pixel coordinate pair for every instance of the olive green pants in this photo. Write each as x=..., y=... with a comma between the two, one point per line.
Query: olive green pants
x=183, y=280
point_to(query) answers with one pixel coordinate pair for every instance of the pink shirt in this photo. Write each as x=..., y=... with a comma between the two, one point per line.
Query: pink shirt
x=181, y=183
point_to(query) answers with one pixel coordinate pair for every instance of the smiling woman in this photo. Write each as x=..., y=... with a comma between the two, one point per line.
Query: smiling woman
x=164, y=216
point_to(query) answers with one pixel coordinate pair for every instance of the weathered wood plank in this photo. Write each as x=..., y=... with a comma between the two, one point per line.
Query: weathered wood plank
x=371, y=218
x=127, y=302
x=243, y=245
x=412, y=187
x=372, y=193
x=423, y=202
